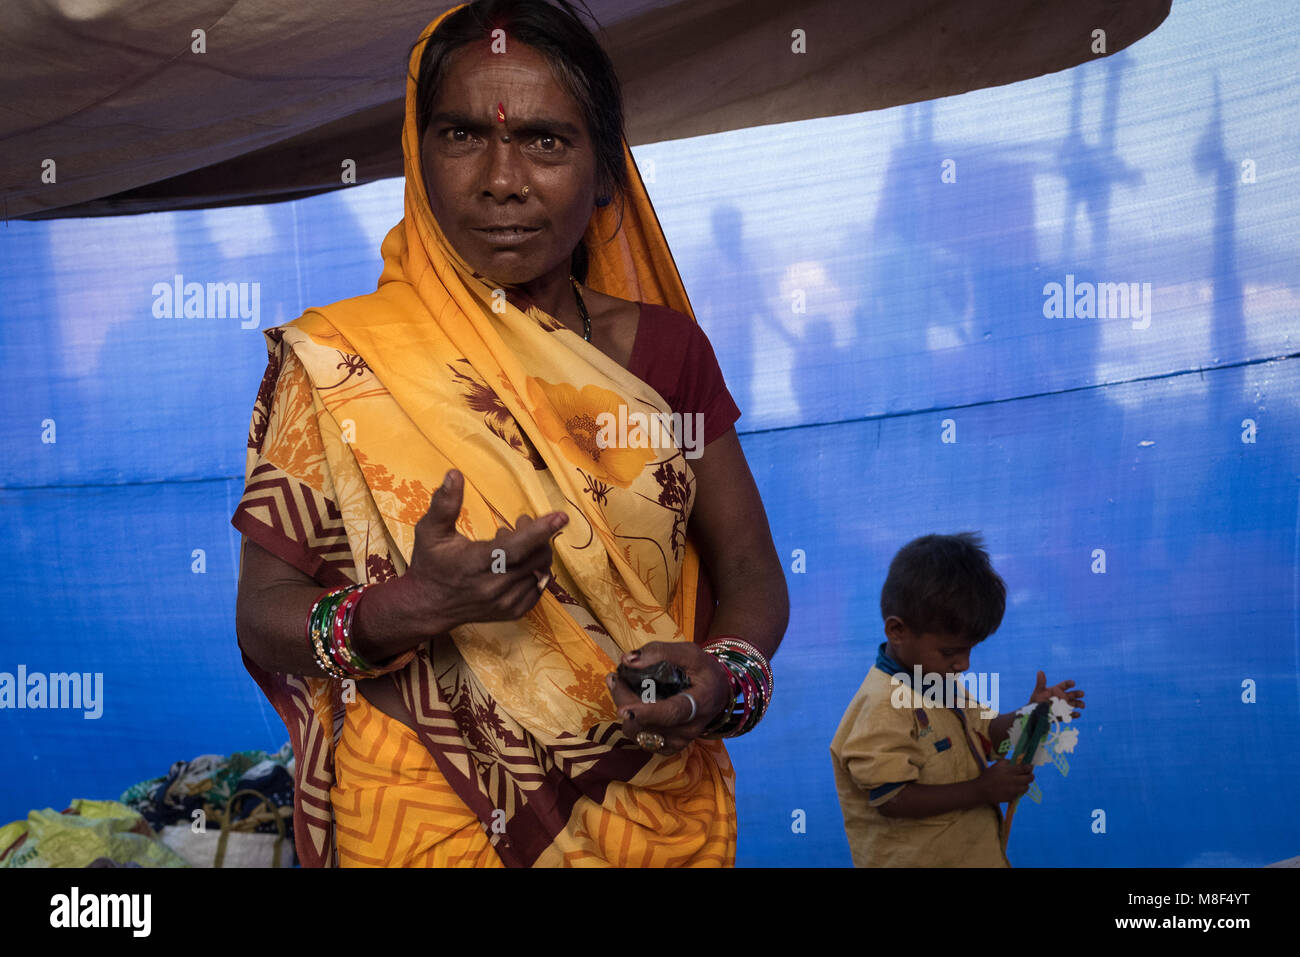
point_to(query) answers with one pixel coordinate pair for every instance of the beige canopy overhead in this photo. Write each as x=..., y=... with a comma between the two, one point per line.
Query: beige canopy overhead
x=134, y=120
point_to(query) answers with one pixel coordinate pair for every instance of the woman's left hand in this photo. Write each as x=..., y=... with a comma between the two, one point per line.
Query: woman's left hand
x=710, y=687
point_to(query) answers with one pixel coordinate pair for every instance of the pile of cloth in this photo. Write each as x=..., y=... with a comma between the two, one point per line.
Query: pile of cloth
x=206, y=784
x=170, y=821
x=250, y=793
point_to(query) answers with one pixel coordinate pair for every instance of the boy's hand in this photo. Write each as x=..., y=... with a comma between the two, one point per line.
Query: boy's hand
x=1003, y=781
x=1044, y=693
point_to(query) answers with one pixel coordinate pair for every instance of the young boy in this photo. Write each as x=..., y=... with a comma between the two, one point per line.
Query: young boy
x=913, y=777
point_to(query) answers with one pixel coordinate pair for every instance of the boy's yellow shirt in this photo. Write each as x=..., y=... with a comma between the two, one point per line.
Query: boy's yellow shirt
x=878, y=747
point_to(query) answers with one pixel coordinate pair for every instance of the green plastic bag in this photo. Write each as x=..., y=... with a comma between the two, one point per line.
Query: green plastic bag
x=87, y=831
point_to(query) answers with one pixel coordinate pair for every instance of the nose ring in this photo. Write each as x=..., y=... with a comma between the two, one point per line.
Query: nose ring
x=524, y=191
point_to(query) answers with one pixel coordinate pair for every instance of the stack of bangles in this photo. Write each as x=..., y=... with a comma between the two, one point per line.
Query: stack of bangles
x=329, y=630
x=751, y=686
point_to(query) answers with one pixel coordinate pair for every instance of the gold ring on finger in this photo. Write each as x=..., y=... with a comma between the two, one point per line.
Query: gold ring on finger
x=650, y=741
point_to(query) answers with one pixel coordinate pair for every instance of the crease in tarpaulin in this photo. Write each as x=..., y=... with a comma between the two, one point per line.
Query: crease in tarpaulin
x=659, y=102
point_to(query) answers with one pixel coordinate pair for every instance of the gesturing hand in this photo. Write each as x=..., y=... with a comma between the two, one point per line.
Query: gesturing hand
x=458, y=580
x=710, y=687
x=1044, y=693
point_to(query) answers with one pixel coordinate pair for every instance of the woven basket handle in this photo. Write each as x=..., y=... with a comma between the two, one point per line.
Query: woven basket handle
x=225, y=825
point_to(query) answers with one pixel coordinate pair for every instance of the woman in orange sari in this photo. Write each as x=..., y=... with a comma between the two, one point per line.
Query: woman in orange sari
x=568, y=536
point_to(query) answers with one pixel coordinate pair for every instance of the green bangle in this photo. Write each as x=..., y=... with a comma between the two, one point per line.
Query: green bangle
x=746, y=673
x=318, y=632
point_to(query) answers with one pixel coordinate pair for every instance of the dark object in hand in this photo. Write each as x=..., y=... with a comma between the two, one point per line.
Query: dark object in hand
x=668, y=678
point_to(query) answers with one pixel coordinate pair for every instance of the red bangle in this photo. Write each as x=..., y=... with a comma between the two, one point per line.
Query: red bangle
x=740, y=644
x=341, y=647
x=751, y=685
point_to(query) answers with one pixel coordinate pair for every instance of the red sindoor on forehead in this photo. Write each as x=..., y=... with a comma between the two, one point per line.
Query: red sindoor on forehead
x=501, y=113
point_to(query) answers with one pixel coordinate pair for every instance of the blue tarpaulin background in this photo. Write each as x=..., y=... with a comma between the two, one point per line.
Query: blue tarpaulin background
x=873, y=285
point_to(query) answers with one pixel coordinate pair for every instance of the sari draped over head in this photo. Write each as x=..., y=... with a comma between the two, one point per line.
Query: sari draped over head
x=365, y=406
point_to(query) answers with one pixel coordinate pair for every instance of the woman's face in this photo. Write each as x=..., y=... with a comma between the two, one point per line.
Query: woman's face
x=475, y=181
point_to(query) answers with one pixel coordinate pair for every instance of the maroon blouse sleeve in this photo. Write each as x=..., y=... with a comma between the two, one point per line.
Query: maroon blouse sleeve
x=672, y=354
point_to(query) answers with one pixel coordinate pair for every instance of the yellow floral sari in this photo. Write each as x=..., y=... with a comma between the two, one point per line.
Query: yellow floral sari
x=365, y=406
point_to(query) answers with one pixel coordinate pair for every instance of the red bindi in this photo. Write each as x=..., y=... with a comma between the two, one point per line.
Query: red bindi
x=501, y=113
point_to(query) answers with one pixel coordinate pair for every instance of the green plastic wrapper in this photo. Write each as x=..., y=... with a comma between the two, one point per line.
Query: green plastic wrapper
x=87, y=831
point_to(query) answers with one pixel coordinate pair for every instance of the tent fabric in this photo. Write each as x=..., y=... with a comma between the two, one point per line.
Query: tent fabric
x=134, y=120
x=873, y=286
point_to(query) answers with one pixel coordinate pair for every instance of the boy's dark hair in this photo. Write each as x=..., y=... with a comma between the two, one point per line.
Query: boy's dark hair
x=578, y=61
x=945, y=584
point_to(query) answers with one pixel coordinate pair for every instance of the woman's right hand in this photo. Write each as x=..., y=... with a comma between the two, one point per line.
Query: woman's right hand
x=455, y=580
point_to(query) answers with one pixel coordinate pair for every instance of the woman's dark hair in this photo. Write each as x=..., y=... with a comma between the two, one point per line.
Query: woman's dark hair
x=945, y=584
x=578, y=61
